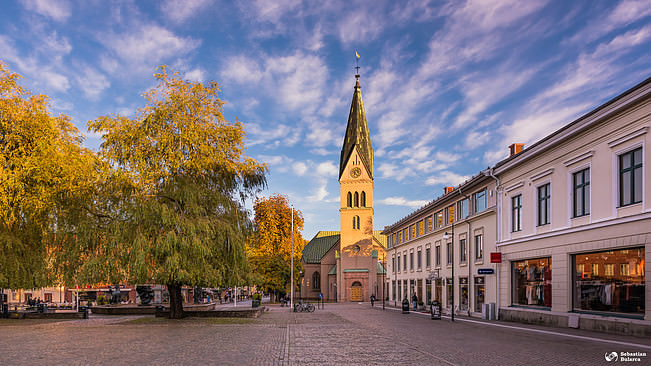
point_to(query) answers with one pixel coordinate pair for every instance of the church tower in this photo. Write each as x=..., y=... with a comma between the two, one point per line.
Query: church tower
x=358, y=252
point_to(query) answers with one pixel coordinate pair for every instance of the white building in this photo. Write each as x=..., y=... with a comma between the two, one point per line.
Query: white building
x=574, y=222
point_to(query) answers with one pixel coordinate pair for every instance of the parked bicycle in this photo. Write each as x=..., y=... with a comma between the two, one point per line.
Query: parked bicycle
x=301, y=307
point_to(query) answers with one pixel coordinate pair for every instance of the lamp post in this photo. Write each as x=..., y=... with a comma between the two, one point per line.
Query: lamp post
x=291, y=298
x=384, y=273
x=447, y=236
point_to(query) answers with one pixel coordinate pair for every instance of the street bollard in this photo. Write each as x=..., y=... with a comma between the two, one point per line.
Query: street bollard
x=405, y=306
x=84, y=310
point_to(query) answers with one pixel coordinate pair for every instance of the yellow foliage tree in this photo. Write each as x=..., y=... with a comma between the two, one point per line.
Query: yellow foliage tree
x=45, y=173
x=270, y=246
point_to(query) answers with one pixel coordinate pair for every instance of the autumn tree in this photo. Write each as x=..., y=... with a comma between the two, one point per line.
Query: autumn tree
x=172, y=207
x=45, y=172
x=270, y=246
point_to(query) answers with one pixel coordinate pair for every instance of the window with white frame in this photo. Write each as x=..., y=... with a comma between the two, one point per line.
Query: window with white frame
x=544, y=203
x=479, y=199
x=437, y=256
x=630, y=177
x=581, y=192
x=516, y=213
x=479, y=246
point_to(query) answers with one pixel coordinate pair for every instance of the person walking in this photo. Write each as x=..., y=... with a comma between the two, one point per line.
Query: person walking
x=414, y=300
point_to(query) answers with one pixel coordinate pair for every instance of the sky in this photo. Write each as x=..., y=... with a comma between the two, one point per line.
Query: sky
x=447, y=85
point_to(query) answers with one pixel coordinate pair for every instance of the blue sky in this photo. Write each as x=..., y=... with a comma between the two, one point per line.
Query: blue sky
x=447, y=86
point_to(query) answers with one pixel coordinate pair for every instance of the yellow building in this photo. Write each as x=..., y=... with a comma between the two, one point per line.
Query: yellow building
x=351, y=257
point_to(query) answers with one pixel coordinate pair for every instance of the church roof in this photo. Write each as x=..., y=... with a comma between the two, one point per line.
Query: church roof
x=357, y=134
x=323, y=241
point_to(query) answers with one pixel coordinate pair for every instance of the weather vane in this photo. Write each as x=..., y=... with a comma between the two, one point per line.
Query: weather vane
x=357, y=67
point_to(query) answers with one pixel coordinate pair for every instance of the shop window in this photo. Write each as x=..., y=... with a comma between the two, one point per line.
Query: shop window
x=630, y=177
x=463, y=293
x=581, y=192
x=544, y=202
x=516, y=213
x=449, y=285
x=47, y=297
x=615, y=282
x=532, y=282
x=480, y=291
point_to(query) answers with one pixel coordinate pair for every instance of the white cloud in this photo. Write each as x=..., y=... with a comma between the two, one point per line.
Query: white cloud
x=58, y=10
x=446, y=178
x=91, y=81
x=299, y=168
x=147, y=46
x=180, y=11
x=625, y=13
x=55, y=80
x=195, y=75
x=401, y=201
x=327, y=169
x=241, y=70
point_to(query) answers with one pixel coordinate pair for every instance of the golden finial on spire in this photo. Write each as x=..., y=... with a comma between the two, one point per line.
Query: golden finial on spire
x=357, y=67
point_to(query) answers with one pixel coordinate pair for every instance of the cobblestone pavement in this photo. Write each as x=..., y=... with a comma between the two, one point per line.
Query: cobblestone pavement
x=340, y=334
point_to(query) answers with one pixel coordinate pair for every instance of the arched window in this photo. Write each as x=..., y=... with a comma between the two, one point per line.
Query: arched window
x=355, y=222
x=363, y=199
x=356, y=199
x=316, y=281
x=349, y=200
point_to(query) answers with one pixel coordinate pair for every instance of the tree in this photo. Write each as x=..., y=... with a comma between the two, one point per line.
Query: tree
x=45, y=171
x=270, y=246
x=171, y=208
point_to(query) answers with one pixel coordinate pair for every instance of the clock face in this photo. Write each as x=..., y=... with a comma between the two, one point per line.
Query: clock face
x=355, y=172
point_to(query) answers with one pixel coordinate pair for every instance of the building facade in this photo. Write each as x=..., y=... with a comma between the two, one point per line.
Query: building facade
x=441, y=252
x=574, y=221
x=359, y=252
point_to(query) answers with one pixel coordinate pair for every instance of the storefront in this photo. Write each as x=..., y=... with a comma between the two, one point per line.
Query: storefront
x=463, y=293
x=480, y=293
x=610, y=281
x=532, y=282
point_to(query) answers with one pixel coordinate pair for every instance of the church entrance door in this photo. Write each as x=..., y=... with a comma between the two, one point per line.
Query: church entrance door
x=356, y=292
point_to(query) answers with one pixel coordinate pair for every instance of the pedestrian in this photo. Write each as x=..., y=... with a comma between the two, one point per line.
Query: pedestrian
x=414, y=300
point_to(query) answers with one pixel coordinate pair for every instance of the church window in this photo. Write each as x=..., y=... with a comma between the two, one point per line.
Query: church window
x=363, y=199
x=349, y=200
x=316, y=281
x=355, y=222
x=356, y=199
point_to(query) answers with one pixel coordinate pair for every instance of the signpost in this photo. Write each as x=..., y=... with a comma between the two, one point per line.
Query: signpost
x=485, y=271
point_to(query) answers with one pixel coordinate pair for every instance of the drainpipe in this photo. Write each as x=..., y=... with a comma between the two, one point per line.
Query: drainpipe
x=470, y=285
x=498, y=199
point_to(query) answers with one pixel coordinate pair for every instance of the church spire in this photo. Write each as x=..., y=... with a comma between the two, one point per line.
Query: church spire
x=357, y=133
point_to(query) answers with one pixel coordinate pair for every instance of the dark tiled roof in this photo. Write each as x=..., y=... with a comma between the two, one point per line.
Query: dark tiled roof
x=323, y=241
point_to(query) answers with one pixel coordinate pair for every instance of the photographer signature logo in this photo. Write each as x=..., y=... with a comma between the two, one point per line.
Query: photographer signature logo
x=612, y=356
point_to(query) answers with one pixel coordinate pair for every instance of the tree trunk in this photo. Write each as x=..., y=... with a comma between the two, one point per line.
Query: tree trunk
x=176, y=301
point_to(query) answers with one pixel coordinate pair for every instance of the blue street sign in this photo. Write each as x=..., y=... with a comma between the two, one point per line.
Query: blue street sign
x=485, y=271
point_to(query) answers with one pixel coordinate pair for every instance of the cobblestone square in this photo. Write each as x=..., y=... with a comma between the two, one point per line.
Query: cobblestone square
x=340, y=334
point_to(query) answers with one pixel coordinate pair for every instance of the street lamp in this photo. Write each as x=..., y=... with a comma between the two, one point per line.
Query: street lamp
x=384, y=273
x=447, y=236
x=291, y=298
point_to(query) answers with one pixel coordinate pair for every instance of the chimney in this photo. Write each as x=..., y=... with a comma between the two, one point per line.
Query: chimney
x=448, y=189
x=515, y=149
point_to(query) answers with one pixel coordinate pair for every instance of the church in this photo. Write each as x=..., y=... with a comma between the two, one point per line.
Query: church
x=349, y=264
